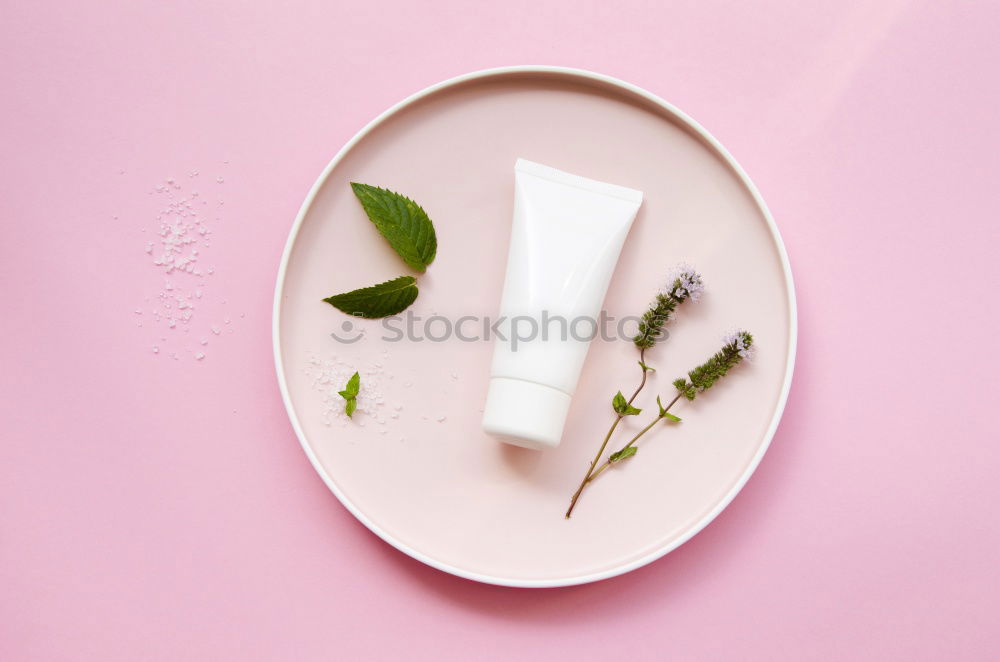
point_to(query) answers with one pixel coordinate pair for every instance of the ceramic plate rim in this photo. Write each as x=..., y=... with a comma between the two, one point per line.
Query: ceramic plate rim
x=680, y=116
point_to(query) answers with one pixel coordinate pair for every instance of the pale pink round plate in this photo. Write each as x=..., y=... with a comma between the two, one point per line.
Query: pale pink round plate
x=416, y=467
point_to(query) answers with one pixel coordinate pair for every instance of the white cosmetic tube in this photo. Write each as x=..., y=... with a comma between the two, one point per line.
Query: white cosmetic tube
x=566, y=237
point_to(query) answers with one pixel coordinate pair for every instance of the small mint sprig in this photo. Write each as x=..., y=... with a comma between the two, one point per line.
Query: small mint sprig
x=737, y=347
x=683, y=283
x=350, y=394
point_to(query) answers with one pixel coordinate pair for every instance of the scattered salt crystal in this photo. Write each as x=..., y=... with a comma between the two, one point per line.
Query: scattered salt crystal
x=204, y=341
x=219, y=179
x=199, y=355
x=440, y=419
x=408, y=384
x=454, y=376
x=138, y=311
x=156, y=350
x=216, y=330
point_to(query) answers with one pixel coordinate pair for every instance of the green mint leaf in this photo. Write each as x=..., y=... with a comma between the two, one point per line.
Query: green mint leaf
x=623, y=454
x=670, y=417
x=646, y=367
x=402, y=222
x=353, y=386
x=618, y=403
x=388, y=298
x=622, y=407
x=350, y=394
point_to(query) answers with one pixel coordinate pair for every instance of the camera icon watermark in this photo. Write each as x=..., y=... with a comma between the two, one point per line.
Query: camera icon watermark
x=349, y=333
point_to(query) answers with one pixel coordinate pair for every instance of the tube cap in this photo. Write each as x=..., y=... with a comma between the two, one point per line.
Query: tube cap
x=525, y=413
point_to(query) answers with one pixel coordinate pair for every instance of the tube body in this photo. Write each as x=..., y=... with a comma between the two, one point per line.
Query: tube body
x=566, y=237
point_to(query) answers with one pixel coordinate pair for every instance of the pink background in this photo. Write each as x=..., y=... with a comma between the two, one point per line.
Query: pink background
x=161, y=509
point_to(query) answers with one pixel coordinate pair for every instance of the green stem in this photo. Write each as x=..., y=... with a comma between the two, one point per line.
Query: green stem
x=646, y=429
x=597, y=458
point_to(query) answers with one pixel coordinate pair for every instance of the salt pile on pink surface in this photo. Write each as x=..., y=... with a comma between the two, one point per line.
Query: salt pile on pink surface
x=178, y=253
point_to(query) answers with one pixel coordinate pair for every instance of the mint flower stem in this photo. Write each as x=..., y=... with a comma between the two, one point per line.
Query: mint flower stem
x=618, y=419
x=737, y=347
x=684, y=283
x=660, y=417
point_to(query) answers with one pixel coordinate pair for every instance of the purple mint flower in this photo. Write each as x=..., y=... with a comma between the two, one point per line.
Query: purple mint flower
x=684, y=282
x=742, y=341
